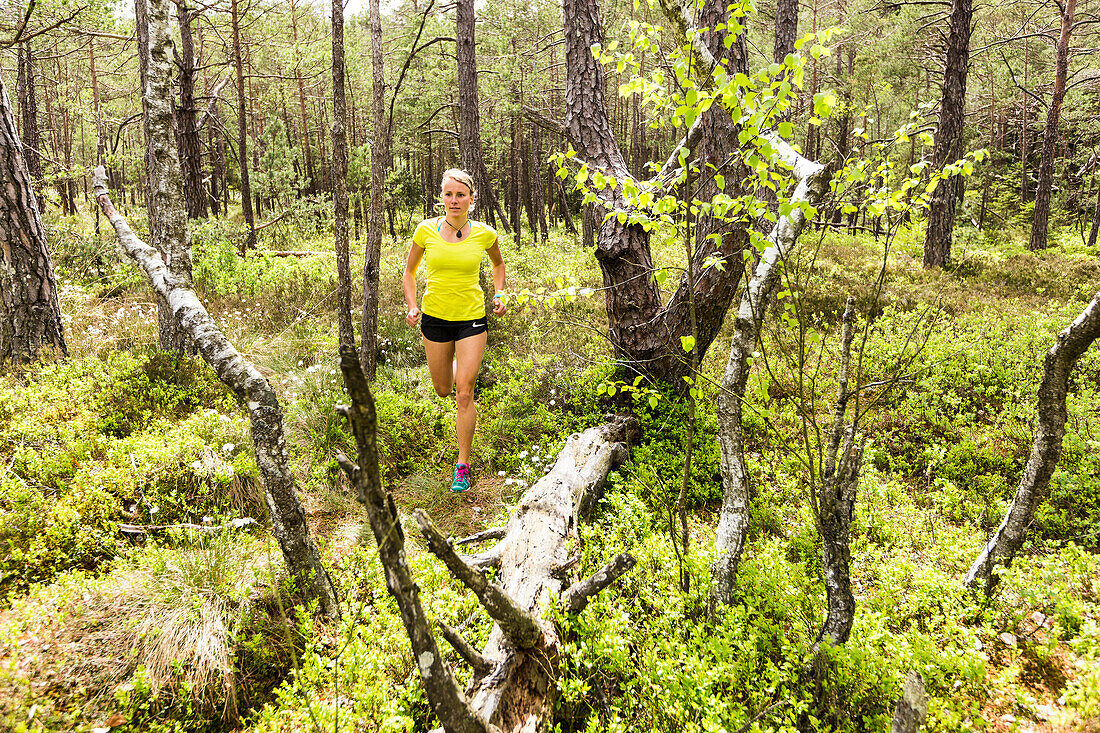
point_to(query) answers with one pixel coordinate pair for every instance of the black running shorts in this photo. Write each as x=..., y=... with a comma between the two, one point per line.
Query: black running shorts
x=441, y=331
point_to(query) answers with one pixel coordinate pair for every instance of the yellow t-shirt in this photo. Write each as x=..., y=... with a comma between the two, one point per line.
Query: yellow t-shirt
x=453, y=292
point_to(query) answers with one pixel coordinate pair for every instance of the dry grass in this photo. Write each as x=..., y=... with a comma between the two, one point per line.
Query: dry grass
x=174, y=612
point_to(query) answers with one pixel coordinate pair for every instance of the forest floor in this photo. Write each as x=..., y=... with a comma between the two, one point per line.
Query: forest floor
x=193, y=631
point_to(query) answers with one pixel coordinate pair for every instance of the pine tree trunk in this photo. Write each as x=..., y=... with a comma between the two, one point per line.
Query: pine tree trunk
x=379, y=165
x=949, y=136
x=30, y=316
x=28, y=105
x=1041, y=212
x=311, y=174
x=190, y=145
x=539, y=197
x=786, y=29
x=469, y=118
x=340, y=178
x=242, y=129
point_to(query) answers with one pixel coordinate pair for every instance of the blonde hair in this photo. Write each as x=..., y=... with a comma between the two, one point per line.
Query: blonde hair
x=460, y=176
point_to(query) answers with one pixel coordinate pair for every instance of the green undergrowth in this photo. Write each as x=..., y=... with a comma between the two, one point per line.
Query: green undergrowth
x=199, y=632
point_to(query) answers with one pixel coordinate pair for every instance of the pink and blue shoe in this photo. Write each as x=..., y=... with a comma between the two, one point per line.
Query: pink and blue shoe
x=462, y=478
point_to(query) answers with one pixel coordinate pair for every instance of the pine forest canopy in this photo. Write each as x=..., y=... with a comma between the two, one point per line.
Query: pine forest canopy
x=884, y=66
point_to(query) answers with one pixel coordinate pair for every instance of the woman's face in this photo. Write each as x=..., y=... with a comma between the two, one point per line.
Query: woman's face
x=456, y=198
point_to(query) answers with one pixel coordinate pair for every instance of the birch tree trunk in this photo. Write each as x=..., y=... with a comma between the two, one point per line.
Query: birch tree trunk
x=733, y=522
x=839, y=478
x=30, y=315
x=288, y=520
x=513, y=687
x=167, y=209
x=1045, y=452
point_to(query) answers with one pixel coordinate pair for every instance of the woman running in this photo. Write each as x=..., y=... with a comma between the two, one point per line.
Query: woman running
x=452, y=314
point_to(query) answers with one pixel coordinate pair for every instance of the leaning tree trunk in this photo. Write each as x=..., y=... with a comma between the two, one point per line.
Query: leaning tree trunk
x=1040, y=215
x=289, y=522
x=469, y=118
x=167, y=211
x=340, y=178
x=1047, y=449
x=733, y=521
x=30, y=315
x=513, y=686
x=949, y=137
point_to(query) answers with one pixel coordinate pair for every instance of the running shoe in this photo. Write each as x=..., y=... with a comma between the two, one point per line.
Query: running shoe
x=462, y=478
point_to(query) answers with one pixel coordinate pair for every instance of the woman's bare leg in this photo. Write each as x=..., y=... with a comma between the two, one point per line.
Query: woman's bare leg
x=468, y=353
x=440, y=356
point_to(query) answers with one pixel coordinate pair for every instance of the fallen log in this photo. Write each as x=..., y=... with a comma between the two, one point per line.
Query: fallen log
x=512, y=688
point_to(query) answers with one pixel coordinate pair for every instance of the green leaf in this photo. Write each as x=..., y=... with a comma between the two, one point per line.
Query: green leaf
x=688, y=342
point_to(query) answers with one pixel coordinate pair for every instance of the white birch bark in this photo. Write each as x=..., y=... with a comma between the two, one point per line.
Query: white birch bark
x=733, y=522
x=1058, y=364
x=287, y=518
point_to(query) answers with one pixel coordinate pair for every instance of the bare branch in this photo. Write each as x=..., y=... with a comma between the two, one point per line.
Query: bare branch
x=472, y=656
x=576, y=598
x=520, y=626
x=494, y=533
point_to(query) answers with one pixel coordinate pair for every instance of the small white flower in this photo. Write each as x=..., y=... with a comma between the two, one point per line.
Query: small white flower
x=228, y=447
x=509, y=481
x=523, y=454
x=154, y=509
x=552, y=403
x=500, y=473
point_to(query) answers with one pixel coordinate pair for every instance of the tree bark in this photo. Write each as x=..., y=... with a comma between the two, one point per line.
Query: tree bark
x=190, y=145
x=912, y=707
x=311, y=174
x=340, y=179
x=469, y=118
x=786, y=29
x=645, y=333
x=839, y=478
x=167, y=211
x=1046, y=450
x=242, y=130
x=733, y=522
x=1041, y=212
x=379, y=166
x=288, y=520
x=513, y=686
x=949, y=136
x=28, y=104
x=30, y=315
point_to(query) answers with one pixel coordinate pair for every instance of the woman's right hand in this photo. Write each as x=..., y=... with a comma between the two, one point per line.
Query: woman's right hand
x=412, y=316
